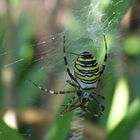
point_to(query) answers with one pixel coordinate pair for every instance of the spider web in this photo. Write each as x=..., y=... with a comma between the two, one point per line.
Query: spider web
x=90, y=26
x=84, y=32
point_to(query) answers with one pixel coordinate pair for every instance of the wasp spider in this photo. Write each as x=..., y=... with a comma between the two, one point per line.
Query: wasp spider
x=85, y=79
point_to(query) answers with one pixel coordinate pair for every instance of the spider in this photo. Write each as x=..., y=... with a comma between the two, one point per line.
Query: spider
x=84, y=79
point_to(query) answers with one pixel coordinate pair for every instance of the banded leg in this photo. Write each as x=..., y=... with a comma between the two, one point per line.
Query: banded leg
x=105, y=58
x=72, y=83
x=101, y=96
x=79, y=102
x=72, y=104
x=51, y=91
x=100, y=105
x=66, y=62
x=84, y=105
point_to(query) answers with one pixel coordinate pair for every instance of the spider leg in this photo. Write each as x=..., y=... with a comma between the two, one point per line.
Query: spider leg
x=72, y=104
x=101, y=96
x=68, y=107
x=100, y=105
x=84, y=105
x=105, y=58
x=66, y=62
x=51, y=91
x=72, y=83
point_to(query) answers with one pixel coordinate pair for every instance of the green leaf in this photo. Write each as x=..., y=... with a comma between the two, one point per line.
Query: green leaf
x=60, y=126
x=114, y=12
x=124, y=128
x=120, y=100
x=7, y=133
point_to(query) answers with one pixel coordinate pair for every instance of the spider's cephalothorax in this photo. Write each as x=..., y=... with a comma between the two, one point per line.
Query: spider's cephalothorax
x=85, y=79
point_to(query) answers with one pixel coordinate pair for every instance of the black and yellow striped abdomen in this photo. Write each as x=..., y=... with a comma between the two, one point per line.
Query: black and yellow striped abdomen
x=86, y=71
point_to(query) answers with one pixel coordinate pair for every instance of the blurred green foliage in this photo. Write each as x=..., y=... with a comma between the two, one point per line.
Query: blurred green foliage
x=8, y=133
x=132, y=45
x=113, y=11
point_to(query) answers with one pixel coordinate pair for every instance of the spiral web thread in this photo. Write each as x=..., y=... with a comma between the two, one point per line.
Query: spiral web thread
x=77, y=125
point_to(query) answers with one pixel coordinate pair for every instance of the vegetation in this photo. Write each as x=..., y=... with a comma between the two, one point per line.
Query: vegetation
x=22, y=58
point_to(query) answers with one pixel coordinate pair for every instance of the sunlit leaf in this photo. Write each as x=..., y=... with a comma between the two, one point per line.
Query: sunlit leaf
x=119, y=104
x=127, y=124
